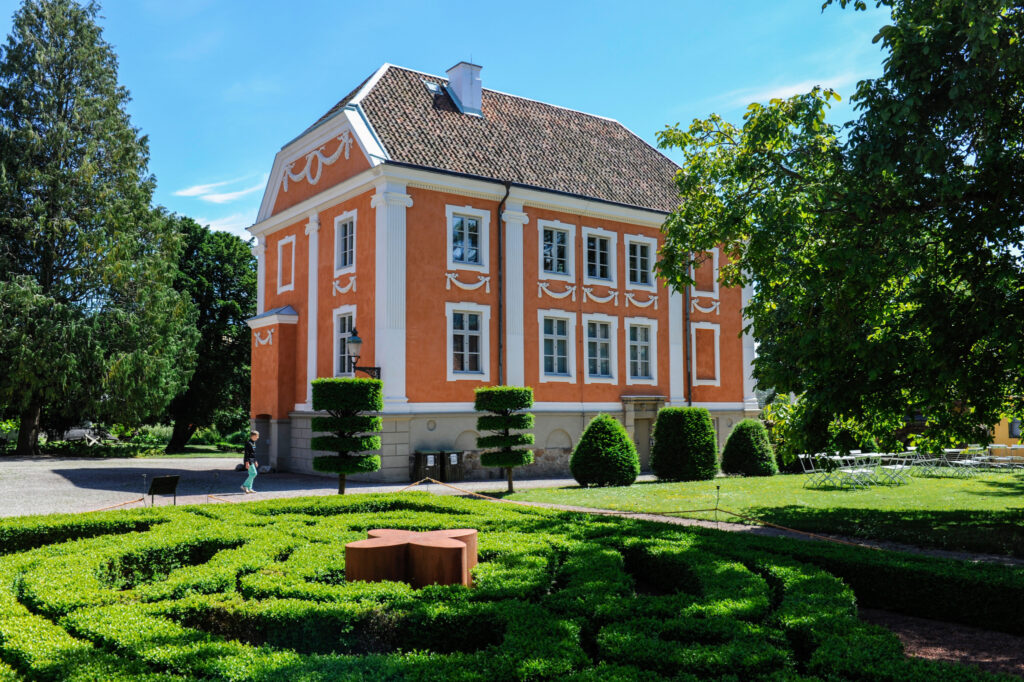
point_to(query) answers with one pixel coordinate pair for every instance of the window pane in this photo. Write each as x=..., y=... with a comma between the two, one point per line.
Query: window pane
x=457, y=321
x=560, y=327
x=474, y=321
x=474, y=343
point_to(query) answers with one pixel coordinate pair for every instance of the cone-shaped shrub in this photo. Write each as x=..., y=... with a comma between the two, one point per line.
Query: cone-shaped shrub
x=504, y=405
x=351, y=434
x=748, y=451
x=605, y=454
x=684, y=445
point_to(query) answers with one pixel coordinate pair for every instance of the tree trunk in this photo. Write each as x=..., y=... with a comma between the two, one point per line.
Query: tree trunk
x=341, y=484
x=28, y=431
x=180, y=436
x=510, y=480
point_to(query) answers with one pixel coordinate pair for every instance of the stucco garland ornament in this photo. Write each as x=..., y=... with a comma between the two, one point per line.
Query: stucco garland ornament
x=641, y=304
x=712, y=308
x=453, y=278
x=267, y=340
x=317, y=155
x=588, y=292
x=544, y=288
x=339, y=289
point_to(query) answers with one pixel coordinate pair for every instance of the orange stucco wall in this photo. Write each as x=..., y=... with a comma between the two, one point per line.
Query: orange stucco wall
x=341, y=169
x=273, y=371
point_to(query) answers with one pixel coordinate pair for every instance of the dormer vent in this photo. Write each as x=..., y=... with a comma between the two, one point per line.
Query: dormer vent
x=465, y=89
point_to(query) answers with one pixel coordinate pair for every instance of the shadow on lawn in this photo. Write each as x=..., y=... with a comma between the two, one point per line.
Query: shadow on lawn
x=990, y=532
x=1013, y=487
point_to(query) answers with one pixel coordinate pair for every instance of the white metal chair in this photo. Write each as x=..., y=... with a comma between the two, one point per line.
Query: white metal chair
x=898, y=469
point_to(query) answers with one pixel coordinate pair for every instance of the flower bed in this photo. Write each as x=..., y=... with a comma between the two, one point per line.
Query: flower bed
x=258, y=592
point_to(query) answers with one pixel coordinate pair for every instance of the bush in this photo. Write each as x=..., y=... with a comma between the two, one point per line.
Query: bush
x=504, y=403
x=207, y=436
x=748, y=451
x=605, y=454
x=684, y=445
x=352, y=434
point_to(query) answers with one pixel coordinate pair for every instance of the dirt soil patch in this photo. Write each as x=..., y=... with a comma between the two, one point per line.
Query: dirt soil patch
x=936, y=640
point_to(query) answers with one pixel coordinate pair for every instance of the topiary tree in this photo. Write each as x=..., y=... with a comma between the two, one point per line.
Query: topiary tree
x=684, y=445
x=605, y=454
x=351, y=432
x=748, y=451
x=504, y=403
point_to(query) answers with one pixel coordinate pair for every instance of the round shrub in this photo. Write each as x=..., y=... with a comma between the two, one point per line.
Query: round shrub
x=605, y=454
x=748, y=451
x=684, y=445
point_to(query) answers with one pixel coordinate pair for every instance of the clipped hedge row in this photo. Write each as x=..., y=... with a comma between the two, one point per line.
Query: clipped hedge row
x=258, y=592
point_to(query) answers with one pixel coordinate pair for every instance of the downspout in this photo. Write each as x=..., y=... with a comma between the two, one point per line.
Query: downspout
x=501, y=285
x=686, y=341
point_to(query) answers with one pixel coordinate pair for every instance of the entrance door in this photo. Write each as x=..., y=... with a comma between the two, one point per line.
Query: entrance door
x=642, y=438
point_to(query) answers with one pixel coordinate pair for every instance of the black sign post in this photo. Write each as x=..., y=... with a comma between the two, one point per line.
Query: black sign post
x=163, y=485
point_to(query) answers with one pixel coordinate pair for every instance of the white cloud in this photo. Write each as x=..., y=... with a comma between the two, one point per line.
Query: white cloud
x=228, y=197
x=234, y=223
x=196, y=190
x=748, y=95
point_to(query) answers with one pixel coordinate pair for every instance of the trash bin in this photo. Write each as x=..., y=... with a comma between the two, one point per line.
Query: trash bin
x=451, y=467
x=426, y=464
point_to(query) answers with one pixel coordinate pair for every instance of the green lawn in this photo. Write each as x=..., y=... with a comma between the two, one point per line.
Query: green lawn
x=982, y=514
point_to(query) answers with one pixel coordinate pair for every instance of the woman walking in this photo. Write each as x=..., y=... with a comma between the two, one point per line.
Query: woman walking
x=249, y=460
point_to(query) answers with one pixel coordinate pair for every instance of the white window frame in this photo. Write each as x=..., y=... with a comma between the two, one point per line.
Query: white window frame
x=484, y=311
x=652, y=245
x=338, y=222
x=570, y=257
x=484, y=221
x=694, y=326
x=694, y=291
x=281, y=286
x=652, y=324
x=570, y=326
x=613, y=244
x=337, y=314
x=613, y=348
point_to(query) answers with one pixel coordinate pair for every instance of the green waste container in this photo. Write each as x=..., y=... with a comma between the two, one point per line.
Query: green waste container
x=451, y=467
x=425, y=464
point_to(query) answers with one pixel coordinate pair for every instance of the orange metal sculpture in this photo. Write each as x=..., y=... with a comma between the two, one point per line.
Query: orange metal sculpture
x=437, y=557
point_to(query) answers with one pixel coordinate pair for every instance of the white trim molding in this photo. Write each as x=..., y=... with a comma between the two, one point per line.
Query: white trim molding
x=336, y=314
x=515, y=291
x=697, y=307
x=630, y=298
x=613, y=247
x=453, y=278
x=483, y=219
x=612, y=296
x=717, y=328
x=749, y=353
x=281, y=286
x=570, y=250
x=652, y=325
x=652, y=254
x=570, y=319
x=317, y=155
x=312, y=303
x=389, y=345
x=337, y=288
x=544, y=288
x=484, y=311
x=613, y=348
x=338, y=222
x=267, y=320
x=265, y=340
x=713, y=293
x=259, y=252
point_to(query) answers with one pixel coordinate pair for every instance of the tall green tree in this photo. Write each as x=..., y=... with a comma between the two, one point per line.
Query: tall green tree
x=218, y=272
x=78, y=239
x=885, y=257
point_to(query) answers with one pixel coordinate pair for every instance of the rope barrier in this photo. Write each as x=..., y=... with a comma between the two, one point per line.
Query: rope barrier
x=115, y=506
x=219, y=499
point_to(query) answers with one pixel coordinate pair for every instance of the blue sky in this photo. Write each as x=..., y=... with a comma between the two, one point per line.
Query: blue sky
x=220, y=85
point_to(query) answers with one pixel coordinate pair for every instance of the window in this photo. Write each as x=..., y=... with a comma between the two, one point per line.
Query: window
x=344, y=322
x=639, y=352
x=557, y=241
x=600, y=334
x=640, y=253
x=1015, y=428
x=345, y=243
x=286, y=264
x=467, y=238
x=468, y=325
x=599, y=255
x=557, y=352
x=707, y=369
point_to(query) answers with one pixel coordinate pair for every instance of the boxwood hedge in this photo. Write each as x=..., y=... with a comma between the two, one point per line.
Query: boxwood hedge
x=258, y=592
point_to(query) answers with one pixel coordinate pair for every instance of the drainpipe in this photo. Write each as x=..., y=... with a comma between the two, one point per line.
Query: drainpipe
x=501, y=285
x=686, y=341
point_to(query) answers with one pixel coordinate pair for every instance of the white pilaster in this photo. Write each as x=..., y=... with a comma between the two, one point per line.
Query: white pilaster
x=312, y=299
x=259, y=251
x=391, y=202
x=749, y=352
x=515, y=339
x=676, y=350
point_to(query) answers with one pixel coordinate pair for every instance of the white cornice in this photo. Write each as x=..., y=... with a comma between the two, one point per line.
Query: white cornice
x=272, y=319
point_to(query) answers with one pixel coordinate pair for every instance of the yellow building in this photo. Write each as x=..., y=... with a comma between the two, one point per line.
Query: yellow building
x=1007, y=432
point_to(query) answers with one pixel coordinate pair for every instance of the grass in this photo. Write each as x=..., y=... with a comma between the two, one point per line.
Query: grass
x=981, y=514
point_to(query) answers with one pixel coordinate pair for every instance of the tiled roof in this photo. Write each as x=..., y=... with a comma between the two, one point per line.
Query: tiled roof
x=517, y=140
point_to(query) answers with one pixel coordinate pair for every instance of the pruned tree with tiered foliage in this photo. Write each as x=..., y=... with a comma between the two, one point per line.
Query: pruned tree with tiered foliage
x=503, y=447
x=353, y=434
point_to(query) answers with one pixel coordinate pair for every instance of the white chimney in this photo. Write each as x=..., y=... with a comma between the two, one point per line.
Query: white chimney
x=464, y=87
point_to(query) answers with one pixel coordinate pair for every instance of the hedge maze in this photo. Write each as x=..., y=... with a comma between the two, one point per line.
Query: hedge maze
x=258, y=592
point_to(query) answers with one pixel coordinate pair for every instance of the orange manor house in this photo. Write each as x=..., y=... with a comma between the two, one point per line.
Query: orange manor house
x=475, y=238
